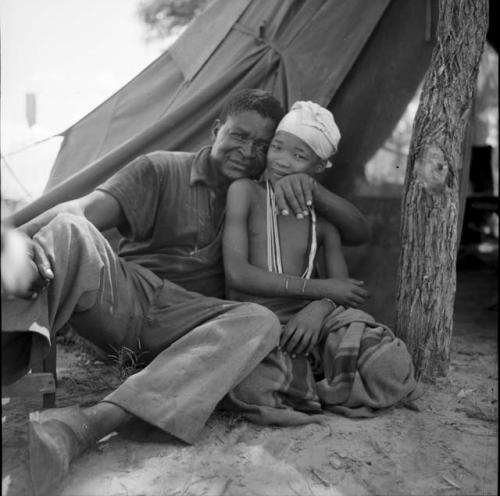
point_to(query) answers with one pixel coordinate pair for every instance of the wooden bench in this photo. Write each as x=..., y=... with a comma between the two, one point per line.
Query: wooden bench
x=41, y=380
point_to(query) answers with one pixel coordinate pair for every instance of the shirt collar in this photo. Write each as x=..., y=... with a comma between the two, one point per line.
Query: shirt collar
x=201, y=170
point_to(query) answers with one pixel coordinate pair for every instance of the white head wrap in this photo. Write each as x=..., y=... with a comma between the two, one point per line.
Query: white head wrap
x=315, y=125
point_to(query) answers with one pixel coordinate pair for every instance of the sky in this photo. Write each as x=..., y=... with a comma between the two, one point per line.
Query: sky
x=72, y=54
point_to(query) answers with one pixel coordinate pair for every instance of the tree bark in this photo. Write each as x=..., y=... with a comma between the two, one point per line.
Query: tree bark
x=427, y=265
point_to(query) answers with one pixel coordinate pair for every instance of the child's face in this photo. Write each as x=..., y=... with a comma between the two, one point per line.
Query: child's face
x=288, y=154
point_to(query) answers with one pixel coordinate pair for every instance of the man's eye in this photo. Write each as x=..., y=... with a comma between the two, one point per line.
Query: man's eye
x=262, y=147
x=237, y=136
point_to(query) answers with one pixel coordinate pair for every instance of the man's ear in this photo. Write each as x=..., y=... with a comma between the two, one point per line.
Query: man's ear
x=215, y=128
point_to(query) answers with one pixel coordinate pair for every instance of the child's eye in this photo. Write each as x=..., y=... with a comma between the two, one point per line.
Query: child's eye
x=273, y=146
x=300, y=157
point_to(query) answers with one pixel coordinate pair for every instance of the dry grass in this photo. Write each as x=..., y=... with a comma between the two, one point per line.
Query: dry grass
x=128, y=361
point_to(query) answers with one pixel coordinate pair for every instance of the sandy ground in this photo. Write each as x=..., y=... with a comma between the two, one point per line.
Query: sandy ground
x=449, y=447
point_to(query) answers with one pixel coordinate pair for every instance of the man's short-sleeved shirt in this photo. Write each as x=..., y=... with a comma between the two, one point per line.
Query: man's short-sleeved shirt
x=174, y=218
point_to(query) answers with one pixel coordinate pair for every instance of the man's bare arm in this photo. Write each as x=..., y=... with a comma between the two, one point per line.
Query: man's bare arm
x=334, y=261
x=296, y=191
x=351, y=291
x=98, y=207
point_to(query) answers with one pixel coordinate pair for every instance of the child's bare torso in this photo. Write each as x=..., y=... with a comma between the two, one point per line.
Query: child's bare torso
x=294, y=235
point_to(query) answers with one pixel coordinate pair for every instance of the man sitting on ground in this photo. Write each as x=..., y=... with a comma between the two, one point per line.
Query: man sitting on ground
x=161, y=293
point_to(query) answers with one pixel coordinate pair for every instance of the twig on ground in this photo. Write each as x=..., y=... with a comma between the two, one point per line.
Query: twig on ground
x=376, y=447
x=295, y=491
x=234, y=418
x=450, y=482
x=226, y=485
x=477, y=413
x=124, y=487
x=320, y=478
x=330, y=431
x=411, y=405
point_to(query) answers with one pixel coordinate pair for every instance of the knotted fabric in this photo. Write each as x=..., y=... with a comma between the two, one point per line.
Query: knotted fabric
x=315, y=125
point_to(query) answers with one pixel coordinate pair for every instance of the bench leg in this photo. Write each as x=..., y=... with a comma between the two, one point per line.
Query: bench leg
x=50, y=365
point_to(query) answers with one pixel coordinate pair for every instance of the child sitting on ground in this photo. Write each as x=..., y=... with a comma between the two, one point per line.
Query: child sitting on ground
x=259, y=245
x=272, y=260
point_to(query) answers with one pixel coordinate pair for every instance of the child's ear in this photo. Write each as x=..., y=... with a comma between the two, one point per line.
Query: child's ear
x=320, y=167
x=215, y=128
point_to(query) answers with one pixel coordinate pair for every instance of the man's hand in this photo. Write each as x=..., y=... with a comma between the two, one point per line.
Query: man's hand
x=294, y=193
x=347, y=292
x=302, y=332
x=42, y=263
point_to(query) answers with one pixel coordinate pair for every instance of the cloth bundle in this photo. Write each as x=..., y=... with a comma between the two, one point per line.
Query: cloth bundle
x=365, y=368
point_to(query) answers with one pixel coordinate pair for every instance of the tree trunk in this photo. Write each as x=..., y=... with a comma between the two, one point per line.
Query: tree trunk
x=427, y=265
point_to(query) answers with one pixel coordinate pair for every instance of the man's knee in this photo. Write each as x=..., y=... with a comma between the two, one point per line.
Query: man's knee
x=266, y=322
x=70, y=223
x=67, y=231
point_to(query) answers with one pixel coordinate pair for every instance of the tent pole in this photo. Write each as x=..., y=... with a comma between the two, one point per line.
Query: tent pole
x=83, y=181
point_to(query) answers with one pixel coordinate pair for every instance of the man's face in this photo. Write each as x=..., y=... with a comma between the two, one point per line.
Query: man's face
x=240, y=145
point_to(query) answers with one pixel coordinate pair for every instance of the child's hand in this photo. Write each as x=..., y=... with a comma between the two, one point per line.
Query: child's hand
x=302, y=332
x=347, y=292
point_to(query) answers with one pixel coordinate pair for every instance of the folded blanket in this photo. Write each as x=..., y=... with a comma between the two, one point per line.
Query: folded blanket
x=365, y=368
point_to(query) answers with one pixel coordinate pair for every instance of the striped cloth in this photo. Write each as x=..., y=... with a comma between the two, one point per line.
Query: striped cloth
x=358, y=368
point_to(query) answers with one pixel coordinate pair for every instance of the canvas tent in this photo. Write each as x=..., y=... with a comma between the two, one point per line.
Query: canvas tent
x=362, y=59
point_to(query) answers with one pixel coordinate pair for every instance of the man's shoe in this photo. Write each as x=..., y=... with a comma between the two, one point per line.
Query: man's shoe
x=56, y=437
